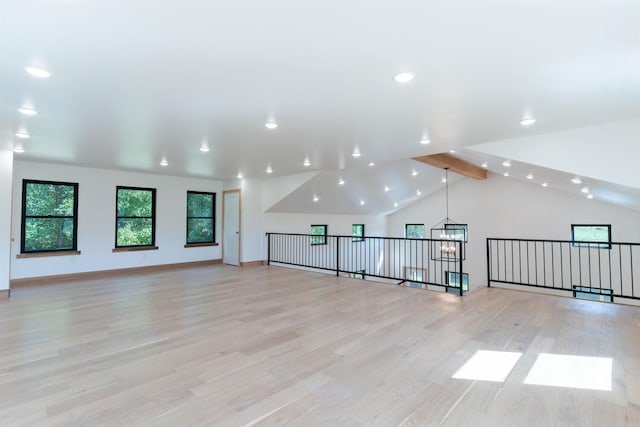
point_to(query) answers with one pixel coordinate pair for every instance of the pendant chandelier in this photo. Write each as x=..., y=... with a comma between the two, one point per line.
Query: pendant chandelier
x=447, y=233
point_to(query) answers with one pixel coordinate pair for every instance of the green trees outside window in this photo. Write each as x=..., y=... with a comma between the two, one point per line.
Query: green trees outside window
x=318, y=234
x=357, y=233
x=414, y=231
x=201, y=218
x=49, y=216
x=135, y=216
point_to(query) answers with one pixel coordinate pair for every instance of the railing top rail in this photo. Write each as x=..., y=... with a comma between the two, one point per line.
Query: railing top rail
x=563, y=241
x=363, y=237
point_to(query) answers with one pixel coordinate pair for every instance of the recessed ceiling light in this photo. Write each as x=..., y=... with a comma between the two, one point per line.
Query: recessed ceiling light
x=506, y=164
x=589, y=196
x=18, y=149
x=395, y=204
x=341, y=181
x=576, y=180
x=361, y=202
x=443, y=179
x=386, y=189
x=316, y=198
x=371, y=164
x=239, y=176
x=506, y=174
x=22, y=134
x=269, y=170
x=425, y=141
x=404, y=77
x=38, y=72
x=530, y=176
x=164, y=162
x=452, y=151
x=204, y=148
x=414, y=172
x=356, y=153
x=306, y=162
x=27, y=111
x=418, y=193
x=485, y=165
x=585, y=190
x=528, y=121
x=271, y=125
x=544, y=184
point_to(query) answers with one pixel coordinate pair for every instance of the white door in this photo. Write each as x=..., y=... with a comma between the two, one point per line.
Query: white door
x=231, y=227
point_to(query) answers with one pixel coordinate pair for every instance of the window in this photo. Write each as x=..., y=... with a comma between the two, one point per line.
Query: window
x=357, y=233
x=594, y=294
x=588, y=234
x=456, y=231
x=318, y=234
x=452, y=279
x=135, y=217
x=49, y=216
x=414, y=231
x=201, y=217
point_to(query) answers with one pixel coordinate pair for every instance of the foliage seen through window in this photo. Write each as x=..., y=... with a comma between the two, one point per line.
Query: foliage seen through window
x=200, y=217
x=135, y=217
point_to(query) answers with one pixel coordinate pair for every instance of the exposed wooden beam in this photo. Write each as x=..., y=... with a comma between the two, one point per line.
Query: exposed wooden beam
x=454, y=164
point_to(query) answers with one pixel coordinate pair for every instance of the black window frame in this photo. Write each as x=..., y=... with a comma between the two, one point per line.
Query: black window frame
x=406, y=226
x=587, y=244
x=357, y=238
x=324, y=236
x=212, y=217
x=153, y=216
x=447, y=280
x=24, y=216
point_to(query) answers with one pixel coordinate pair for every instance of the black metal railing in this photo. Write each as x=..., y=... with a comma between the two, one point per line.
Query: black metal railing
x=588, y=269
x=416, y=262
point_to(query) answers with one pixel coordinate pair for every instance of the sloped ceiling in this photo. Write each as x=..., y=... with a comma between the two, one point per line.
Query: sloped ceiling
x=383, y=188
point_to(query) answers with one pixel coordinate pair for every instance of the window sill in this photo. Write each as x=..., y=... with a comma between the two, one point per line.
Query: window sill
x=198, y=245
x=135, y=248
x=47, y=254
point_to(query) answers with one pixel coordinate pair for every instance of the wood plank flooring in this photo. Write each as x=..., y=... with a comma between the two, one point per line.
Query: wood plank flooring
x=270, y=346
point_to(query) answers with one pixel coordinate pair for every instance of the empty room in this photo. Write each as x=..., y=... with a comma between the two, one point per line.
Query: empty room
x=319, y=213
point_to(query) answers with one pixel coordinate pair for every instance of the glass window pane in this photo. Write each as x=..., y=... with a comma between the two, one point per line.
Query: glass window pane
x=199, y=230
x=414, y=231
x=48, y=234
x=135, y=203
x=49, y=199
x=134, y=232
x=199, y=205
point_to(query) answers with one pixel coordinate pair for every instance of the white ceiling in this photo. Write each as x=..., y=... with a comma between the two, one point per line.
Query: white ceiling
x=134, y=81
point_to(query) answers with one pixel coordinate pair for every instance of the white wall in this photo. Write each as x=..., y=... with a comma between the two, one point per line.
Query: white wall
x=6, y=175
x=96, y=220
x=508, y=208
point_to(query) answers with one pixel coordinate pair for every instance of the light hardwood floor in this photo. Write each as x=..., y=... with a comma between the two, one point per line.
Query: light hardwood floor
x=273, y=346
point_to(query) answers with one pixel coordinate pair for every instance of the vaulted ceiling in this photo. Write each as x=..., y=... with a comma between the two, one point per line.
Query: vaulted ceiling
x=134, y=82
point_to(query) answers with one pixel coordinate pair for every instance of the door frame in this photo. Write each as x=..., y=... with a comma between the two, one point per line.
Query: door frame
x=239, y=223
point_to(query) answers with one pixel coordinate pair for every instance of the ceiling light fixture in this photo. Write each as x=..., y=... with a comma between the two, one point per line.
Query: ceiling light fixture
x=452, y=151
x=356, y=153
x=271, y=125
x=544, y=184
x=485, y=165
x=371, y=164
x=18, y=149
x=576, y=180
x=315, y=198
x=386, y=189
x=22, y=134
x=506, y=174
x=418, y=193
x=404, y=77
x=506, y=163
x=38, y=72
x=306, y=162
x=204, y=148
x=528, y=121
x=425, y=141
x=361, y=202
x=269, y=170
x=444, y=179
x=530, y=176
x=414, y=172
x=589, y=196
x=395, y=204
x=239, y=176
x=164, y=162
x=27, y=111
x=585, y=190
x=341, y=181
